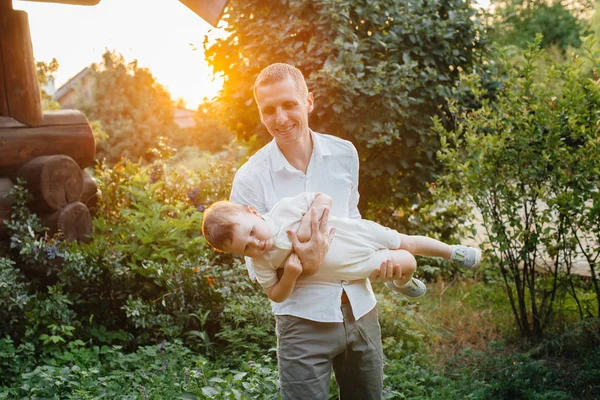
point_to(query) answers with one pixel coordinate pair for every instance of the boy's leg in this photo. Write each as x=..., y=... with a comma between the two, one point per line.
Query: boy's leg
x=408, y=263
x=425, y=246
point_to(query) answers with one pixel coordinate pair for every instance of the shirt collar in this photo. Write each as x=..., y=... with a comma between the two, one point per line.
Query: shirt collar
x=279, y=162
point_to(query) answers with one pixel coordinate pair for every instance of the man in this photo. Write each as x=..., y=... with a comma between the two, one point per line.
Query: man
x=322, y=324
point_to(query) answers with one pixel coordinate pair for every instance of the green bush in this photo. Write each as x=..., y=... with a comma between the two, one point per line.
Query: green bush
x=14, y=295
x=517, y=22
x=146, y=274
x=399, y=333
x=247, y=327
x=528, y=161
x=166, y=371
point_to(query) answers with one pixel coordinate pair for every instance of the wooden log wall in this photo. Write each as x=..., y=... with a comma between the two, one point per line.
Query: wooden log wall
x=51, y=158
x=20, y=96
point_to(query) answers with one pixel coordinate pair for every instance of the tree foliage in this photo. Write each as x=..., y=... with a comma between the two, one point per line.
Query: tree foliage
x=561, y=22
x=133, y=108
x=209, y=134
x=45, y=71
x=379, y=71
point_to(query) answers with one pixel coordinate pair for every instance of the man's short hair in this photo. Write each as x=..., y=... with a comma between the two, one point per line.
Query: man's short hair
x=278, y=72
x=218, y=223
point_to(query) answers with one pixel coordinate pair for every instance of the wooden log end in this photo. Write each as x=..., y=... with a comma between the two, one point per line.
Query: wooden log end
x=73, y=221
x=54, y=181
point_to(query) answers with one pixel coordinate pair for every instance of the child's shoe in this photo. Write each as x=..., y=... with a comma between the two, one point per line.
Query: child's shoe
x=413, y=289
x=466, y=256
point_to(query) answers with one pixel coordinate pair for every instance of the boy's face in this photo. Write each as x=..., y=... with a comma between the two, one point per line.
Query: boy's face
x=252, y=236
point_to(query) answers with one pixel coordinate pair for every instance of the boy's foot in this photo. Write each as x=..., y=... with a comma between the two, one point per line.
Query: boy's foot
x=466, y=256
x=413, y=289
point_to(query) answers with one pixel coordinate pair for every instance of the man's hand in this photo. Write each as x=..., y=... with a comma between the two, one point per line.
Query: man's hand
x=386, y=272
x=312, y=253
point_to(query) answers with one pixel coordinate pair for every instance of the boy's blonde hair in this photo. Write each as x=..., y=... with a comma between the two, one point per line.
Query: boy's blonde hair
x=218, y=223
x=278, y=72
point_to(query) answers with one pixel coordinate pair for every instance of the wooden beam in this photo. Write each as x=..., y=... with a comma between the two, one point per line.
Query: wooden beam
x=50, y=118
x=60, y=132
x=21, y=87
x=74, y=2
x=5, y=6
x=3, y=97
x=210, y=10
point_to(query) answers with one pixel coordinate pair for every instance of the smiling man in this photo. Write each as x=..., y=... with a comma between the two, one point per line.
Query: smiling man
x=323, y=324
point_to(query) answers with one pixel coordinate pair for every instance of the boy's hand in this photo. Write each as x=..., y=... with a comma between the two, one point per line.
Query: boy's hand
x=386, y=272
x=293, y=266
x=312, y=253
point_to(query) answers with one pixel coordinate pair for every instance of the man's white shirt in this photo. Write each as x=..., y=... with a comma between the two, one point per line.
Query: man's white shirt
x=267, y=177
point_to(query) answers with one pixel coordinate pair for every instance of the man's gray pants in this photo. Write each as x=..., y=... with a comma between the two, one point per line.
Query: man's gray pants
x=308, y=350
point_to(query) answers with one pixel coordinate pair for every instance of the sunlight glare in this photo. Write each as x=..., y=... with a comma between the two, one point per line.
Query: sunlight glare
x=163, y=35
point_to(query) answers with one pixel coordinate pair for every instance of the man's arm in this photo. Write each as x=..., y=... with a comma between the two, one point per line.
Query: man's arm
x=284, y=287
x=319, y=204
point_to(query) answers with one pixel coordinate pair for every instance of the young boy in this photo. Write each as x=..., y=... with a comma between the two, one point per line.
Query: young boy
x=363, y=245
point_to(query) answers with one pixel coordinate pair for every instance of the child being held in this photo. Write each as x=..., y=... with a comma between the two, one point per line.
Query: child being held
x=358, y=247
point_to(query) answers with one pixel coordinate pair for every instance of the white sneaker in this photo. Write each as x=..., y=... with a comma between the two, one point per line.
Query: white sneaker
x=466, y=256
x=413, y=289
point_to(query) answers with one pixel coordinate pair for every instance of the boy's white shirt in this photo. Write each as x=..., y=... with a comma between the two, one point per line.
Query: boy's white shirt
x=268, y=177
x=358, y=246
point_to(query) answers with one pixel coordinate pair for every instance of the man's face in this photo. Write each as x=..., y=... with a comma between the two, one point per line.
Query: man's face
x=252, y=236
x=284, y=110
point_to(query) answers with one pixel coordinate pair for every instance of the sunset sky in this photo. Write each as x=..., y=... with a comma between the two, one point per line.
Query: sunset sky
x=163, y=35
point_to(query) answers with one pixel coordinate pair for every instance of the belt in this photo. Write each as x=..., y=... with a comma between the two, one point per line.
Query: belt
x=345, y=299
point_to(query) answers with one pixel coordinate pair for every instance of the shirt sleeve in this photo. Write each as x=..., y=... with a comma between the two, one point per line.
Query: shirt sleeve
x=384, y=236
x=265, y=274
x=248, y=195
x=354, y=196
x=243, y=193
x=291, y=209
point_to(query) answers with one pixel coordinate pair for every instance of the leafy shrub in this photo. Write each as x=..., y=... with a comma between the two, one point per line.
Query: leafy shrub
x=398, y=330
x=506, y=373
x=517, y=22
x=527, y=162
x=147, y=273
x=14, y=295
x=147, y=236
x=166, y=371
x=247, y=327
